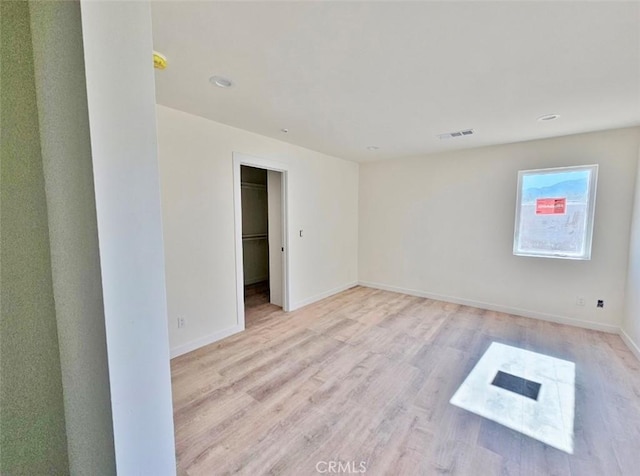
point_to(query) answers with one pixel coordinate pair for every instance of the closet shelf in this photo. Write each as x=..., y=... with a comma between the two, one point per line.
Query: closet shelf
x=253, y=186
x=258, y=236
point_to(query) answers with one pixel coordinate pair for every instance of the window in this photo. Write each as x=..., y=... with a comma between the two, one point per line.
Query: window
x=554, y=212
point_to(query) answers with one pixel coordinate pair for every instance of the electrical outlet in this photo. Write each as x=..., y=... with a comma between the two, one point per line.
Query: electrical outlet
x=600, y=303
x=579, y=301
x=181, y=322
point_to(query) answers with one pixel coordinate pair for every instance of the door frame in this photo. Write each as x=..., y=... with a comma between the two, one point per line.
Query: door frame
x=240, y=159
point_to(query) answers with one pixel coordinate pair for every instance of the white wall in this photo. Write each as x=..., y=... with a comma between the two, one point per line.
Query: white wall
x=121, y=102
x=631, y=323
x=442, y=226
x=196, y=169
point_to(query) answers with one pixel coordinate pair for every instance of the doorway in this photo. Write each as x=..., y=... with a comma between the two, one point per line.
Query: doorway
x=254, y=198
x=260, y=190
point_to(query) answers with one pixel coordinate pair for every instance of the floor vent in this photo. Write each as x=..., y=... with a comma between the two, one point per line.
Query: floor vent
x=515, y=384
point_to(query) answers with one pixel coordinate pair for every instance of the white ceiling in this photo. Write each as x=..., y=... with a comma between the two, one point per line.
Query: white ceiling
x=343, y=76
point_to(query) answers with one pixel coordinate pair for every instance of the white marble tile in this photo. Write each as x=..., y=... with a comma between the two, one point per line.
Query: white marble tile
x=548, y=419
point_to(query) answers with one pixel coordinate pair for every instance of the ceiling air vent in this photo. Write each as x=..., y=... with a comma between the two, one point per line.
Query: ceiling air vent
x=449, y=135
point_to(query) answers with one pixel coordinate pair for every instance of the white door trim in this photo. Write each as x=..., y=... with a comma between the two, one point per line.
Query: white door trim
x=268, y=164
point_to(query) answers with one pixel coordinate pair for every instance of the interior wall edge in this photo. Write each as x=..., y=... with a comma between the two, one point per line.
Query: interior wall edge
x=124, y=150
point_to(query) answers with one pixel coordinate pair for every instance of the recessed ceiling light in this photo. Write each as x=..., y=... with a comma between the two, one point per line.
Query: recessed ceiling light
x=221, y=81
x=373, y=147
x=548, y=117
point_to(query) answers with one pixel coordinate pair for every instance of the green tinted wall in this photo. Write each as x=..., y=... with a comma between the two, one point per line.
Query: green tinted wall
x=32, y=424
x=65, y=142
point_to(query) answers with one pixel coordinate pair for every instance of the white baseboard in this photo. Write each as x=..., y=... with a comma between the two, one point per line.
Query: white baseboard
x=497, y=307
x=211, y=338
x=633, y=347
x=205, y=340
x=318, y=297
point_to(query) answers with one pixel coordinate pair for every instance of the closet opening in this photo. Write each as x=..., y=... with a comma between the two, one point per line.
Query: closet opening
x=260, y=234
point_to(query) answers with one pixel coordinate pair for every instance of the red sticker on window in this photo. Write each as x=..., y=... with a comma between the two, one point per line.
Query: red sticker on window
x=551, y=206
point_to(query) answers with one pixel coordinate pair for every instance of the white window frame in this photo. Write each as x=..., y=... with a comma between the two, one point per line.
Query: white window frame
x=589, y=215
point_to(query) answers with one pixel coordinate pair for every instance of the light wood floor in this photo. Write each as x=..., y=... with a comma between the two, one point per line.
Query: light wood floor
x=255, y=295
x=367, y=375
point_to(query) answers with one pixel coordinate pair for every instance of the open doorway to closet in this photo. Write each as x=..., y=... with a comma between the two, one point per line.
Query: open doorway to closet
x=261, y=253
x=259, y=235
